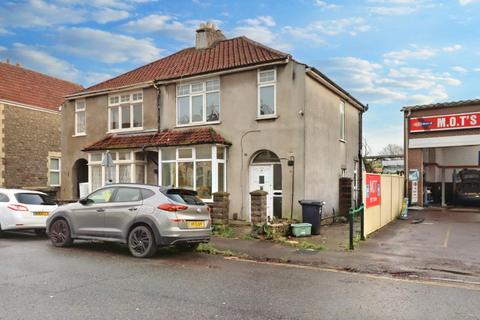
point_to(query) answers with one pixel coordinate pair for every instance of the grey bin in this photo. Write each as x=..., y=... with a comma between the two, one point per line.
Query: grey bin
x=312, y=213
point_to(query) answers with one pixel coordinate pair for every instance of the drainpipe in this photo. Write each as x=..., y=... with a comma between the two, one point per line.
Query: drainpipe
x=159, y=106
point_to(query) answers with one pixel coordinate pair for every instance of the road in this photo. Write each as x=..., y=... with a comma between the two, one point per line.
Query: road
x=101, y=281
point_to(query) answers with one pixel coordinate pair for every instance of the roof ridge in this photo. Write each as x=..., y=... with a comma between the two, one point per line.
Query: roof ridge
x=41, y=73
x=264, y=46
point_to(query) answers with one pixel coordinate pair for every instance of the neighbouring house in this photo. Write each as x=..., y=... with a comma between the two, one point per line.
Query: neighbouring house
x=30, y=127
x=226, y=115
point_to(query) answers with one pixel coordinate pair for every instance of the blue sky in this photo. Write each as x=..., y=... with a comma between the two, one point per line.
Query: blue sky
x=387, y=53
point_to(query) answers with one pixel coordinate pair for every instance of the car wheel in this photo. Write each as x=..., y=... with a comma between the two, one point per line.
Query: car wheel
x=60, y=233
x=141, y=242
x=40, y=232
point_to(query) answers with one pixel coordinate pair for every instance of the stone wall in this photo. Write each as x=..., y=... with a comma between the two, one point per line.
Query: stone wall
x=258, y=207
x=219, y=208
x=29, y=136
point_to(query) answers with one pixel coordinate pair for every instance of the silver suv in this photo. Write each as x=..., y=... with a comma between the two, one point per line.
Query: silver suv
x=141, y=216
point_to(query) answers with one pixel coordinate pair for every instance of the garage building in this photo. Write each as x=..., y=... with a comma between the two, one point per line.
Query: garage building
x=442, y=153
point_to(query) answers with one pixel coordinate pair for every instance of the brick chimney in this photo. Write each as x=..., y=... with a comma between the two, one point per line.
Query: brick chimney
x=207, y=35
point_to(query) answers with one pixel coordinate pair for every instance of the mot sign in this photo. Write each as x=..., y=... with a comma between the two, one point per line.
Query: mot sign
x=372, y=189
x=446, y=122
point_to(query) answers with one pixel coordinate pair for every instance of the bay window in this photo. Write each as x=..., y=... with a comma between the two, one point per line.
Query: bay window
x=125, y=112
x=200, y=168
x=198, y=102
x=128, y=167
x=267, y=93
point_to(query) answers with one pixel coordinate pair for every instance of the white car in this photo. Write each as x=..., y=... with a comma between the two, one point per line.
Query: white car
x=24, y=209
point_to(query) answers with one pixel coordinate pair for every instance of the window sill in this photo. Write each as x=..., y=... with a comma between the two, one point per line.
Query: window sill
x=198, y=124
x=125, y=130
x=79, y=135
x=342, y=140
x=272, y=117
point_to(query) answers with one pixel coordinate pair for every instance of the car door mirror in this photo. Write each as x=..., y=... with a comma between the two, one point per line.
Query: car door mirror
x=85, y=201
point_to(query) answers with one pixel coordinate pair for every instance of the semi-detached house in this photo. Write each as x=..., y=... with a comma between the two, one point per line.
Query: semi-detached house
x=226, y=115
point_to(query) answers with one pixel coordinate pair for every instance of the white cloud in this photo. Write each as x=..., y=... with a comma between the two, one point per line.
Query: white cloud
x=467, y=2
x=39, y=13
x=4, y=31
x=374, y=83
x=260, y=29
x=165, y=24
x=108, y=15
x=105, y=46
x=35, y=13
x=35, y=58
x=476, y=69
x=452, y=48
x=317, y=30
x=407, y=54
x=38, y=60
x=325, y=5
x=459, y=69
x=399, y=7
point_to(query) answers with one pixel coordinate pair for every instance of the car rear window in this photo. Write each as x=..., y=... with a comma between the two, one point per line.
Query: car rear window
x=34, y=198
x=184, y=196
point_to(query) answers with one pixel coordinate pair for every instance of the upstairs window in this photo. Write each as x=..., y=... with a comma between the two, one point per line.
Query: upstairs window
x=267, y=80
x=342, y=120
x=80, y=117
x=198, y=102
x=125, y=112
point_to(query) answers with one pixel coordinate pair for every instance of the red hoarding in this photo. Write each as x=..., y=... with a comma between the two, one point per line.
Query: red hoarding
x=446, y=122
x=373, y=187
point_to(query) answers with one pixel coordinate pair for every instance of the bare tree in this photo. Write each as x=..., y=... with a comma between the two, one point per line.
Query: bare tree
x=392, y=149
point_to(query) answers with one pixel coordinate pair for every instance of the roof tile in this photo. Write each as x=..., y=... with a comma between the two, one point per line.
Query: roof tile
x=166, y=138
x=224, y=55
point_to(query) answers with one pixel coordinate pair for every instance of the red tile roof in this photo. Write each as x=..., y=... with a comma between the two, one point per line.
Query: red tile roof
x=225, y=54
x=28, y=87
x=166, y=138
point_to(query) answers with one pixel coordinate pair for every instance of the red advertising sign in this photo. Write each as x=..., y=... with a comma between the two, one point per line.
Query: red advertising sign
x=446, y=122
x=373, y=187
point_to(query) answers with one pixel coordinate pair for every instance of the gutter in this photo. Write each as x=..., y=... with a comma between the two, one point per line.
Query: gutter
x=327, y=82
x=149, y=83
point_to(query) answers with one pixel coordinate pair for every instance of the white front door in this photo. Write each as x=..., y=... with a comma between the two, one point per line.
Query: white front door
x=261, y=178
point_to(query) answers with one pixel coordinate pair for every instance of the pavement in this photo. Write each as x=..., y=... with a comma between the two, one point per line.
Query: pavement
x=95, y=280
x=445, y=247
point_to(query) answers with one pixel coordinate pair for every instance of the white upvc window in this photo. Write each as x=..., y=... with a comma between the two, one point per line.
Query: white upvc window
x=128, y=167
x=342, y=120
x=125, y=112
x=80, y=117
x=54, y=171
x=201, y=168
x=198, y=102
x=267, y=93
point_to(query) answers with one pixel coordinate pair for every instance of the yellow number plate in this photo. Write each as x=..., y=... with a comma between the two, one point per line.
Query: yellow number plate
x=41, y=214
x=195, y=224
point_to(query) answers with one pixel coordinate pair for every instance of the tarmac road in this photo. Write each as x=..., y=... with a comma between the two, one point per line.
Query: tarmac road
x=101, y=281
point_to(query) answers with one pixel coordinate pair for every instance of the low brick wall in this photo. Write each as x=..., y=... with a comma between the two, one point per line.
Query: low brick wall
x=219, y=208
x=258, y=206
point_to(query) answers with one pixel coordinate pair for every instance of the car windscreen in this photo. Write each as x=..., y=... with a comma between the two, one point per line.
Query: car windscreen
x=184, y=196
x=34, y=199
